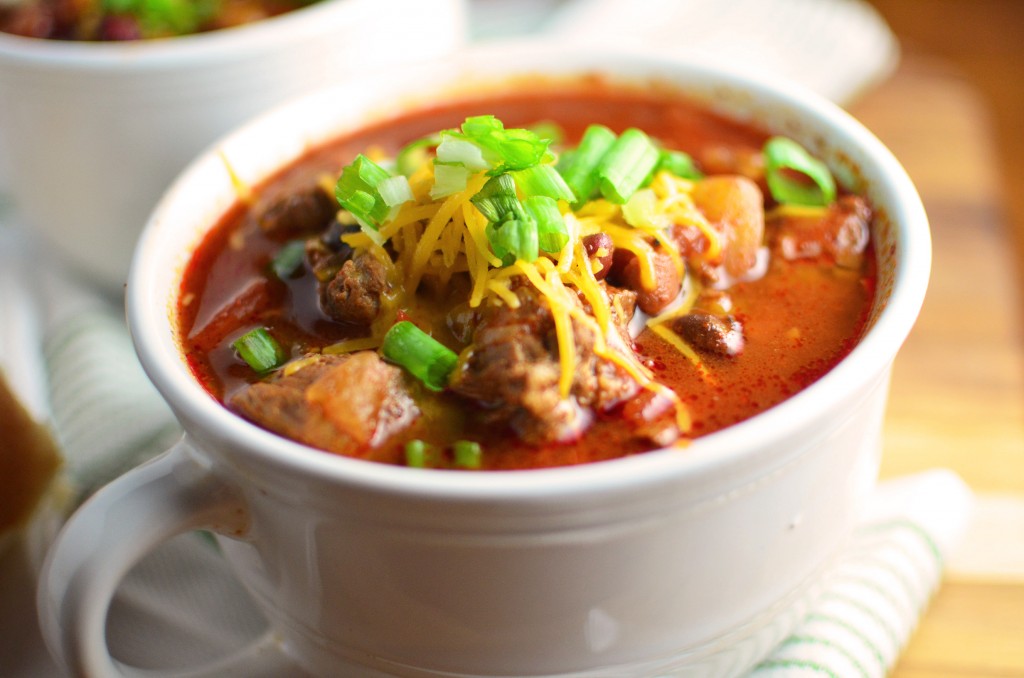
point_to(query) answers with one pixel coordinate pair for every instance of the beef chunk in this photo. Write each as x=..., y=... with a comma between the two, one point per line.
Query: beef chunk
x=342, y=404
x=353, y=295
x=298, y=213
x=511, y=373
x=840, y=236
x=512, y=370
x=327, y=252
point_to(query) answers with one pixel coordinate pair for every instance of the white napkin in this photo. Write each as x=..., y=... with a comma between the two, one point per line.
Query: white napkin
x=838, y=48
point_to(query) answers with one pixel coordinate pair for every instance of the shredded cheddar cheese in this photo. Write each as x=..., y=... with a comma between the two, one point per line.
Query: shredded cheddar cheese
x=429, y=240
x=436, y=238
x=675, y=201
x=242, y=190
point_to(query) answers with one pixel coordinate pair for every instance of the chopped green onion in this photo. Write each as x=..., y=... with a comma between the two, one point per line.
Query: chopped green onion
x=679, y=164
x=511, y=230
x=395, y=191
x=579, y=168
x=543, y=180
x=548, y=130
x=361, y=203
x=417, y=454
x=288, y=259
x=482, y=126
x=260, y=350
x=455, y=149
x=626, y=165
x=552, y=233
x=420, y=354
x=514, y=239
x=448, y=179
x=468, y=454
x=497, y=199
x=782, y=155
x=357, y=192
x=641, y=211
x=519, y=149
x=503, y=150
x=414, y=155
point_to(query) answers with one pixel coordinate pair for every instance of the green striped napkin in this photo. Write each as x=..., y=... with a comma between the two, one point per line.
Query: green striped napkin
x=870, y=604
x=107, y=415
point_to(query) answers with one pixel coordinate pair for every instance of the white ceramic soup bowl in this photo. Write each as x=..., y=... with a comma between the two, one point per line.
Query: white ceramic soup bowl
x=675, y=562
x=91, y=134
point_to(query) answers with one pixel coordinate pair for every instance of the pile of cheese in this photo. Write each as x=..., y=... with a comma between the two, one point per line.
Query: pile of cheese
x=443, y=237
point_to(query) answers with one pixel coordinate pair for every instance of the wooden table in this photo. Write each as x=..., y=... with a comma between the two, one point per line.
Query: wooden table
x=958, y=386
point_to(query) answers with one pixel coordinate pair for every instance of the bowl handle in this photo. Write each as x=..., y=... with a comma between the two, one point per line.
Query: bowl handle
x=175, y=493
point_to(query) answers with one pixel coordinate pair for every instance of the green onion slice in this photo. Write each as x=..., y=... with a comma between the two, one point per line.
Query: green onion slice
x=640, y=211
x=482, y=126
x=468, y=454
x=260, y=350
x=497, y=199
x=548, y=130
x=418, y=454
x=543, y=180
x=484, y=143
x=357, y=191
x=288, y=259
x=514, y=239
x=448, y=179
x=456, y=149
x=414, y=155
x=626, y=165
x=782, y=155
x=552, y=234
x=679, y=164
x=511, y=230
x=420, y=354
x=395, y=191
x=579, y=167
x=509, y=149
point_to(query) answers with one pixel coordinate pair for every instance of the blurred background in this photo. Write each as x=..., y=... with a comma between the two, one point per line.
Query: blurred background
x=958, y=388
x=980, y=42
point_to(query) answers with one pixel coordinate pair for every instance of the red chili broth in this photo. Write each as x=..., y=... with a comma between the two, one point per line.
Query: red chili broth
x=799, y=320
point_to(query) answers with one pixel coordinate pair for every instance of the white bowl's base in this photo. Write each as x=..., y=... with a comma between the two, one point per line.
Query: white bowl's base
x=728, y=656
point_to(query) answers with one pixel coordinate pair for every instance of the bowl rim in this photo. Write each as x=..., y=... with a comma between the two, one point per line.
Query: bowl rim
x=721, y=451
x=233, y=42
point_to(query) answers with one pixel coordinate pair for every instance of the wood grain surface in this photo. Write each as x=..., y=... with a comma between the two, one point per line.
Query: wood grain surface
x=957, y=397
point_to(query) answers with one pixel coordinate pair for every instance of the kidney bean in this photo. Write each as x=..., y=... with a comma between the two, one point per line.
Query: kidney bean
x=667, y=280
x=599, y=246
x=119, y=27
x=709, y=333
